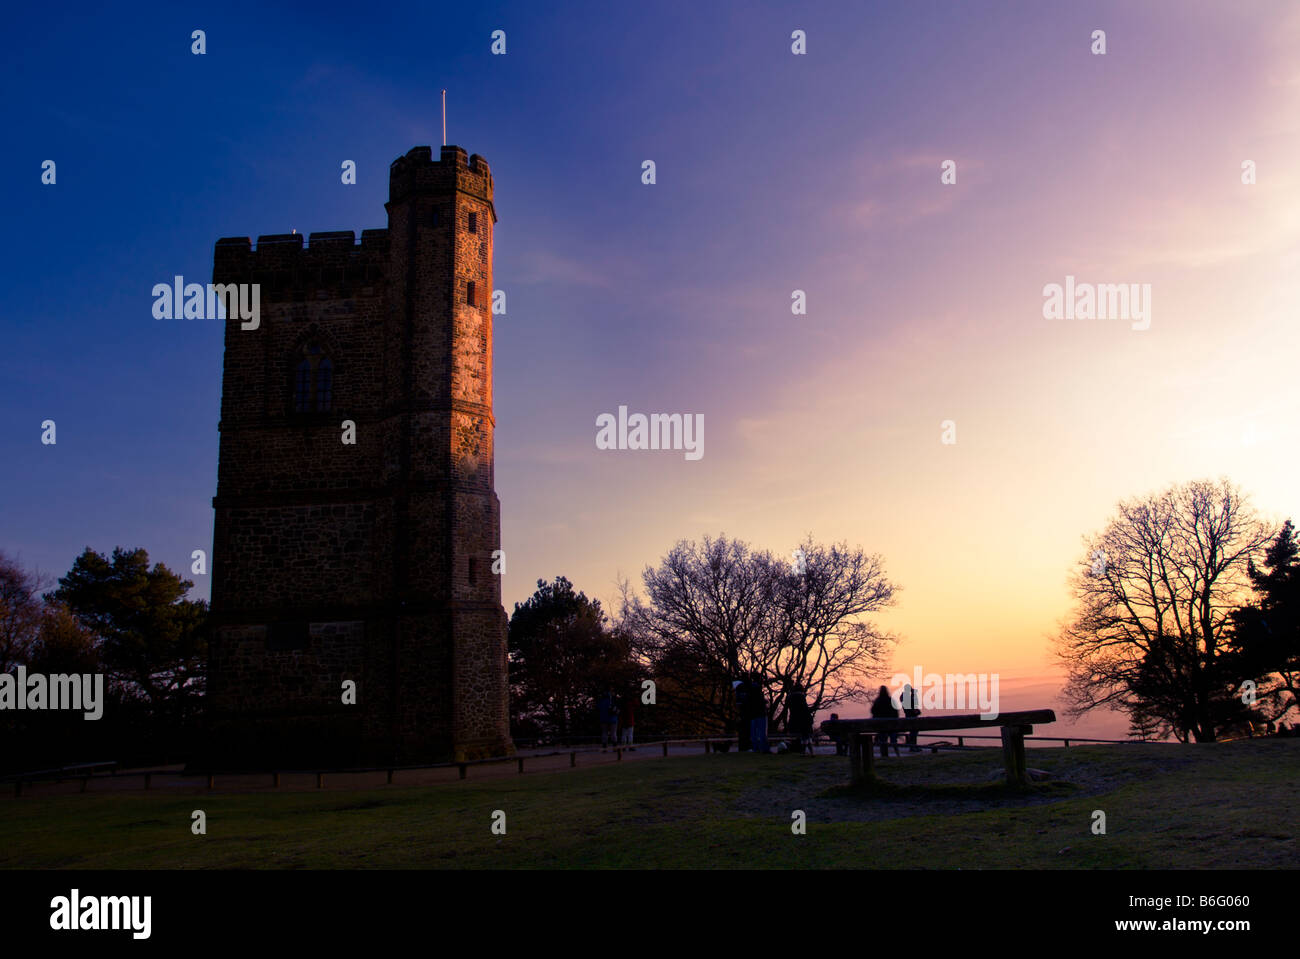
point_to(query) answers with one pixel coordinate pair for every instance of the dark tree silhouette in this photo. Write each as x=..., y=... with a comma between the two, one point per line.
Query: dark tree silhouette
x=562, y=655
x=21, y=611
x=822, y=641
x=710, y=614
x=63, y=644
x=717, y=610
x=1155, y=591
x=152, y=640
x=1266, y=635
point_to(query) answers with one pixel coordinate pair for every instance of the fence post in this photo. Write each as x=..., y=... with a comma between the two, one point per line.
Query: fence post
x=665, y=747
x=320, y=780
x=706, y=745
x=462, y=770
x=573, y=759
x=618, y=752
x=961, y=741
x=521, y=764
x=275, y=779
x=1067, y=744
x=211, y=780
x=390, y=777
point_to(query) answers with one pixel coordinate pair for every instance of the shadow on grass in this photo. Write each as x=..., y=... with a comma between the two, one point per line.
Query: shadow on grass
x=946, y=792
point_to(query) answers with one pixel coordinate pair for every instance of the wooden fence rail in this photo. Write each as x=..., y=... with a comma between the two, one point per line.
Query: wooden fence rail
x=53, y=775
x=85, y=772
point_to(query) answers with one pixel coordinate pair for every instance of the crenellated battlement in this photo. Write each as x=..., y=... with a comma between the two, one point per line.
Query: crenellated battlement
x=287, y=269
x=417, y=173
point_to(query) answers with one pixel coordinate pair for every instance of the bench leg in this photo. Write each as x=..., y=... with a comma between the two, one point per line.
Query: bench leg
x=860, y=747
x=1013, y=755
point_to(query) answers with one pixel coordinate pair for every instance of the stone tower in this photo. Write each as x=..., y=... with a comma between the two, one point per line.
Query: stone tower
x=370, y=560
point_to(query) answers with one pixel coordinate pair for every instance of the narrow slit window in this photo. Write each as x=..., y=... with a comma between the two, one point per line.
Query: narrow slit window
x=324, y=385
x=302, y=386
x=469, y=293
x=473, y=223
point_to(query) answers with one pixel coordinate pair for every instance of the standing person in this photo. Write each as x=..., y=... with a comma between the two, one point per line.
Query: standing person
x=841, y=744
x=758, y=713
x=740, y=689
x=627, y=718
x=608, y=719
x=883, y=708
x=801, y=718
x=911, y=709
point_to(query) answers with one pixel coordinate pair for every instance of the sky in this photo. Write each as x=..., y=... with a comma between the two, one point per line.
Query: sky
x=774, y=172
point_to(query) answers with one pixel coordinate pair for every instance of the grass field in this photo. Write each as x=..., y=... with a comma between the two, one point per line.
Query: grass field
x=1230, y=805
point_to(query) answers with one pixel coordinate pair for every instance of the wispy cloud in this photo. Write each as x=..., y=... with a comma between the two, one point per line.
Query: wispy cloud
x=543, y=266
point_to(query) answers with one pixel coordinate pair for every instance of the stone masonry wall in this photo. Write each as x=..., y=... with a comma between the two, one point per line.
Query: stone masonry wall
x=370, y=561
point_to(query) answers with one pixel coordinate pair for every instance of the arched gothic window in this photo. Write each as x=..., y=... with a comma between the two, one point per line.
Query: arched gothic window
x=313, y=381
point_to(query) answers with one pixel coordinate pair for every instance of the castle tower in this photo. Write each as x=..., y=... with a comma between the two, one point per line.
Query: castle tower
x=369, y=561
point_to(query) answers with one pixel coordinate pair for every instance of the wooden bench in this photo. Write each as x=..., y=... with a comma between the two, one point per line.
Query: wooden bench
x=1015, y=726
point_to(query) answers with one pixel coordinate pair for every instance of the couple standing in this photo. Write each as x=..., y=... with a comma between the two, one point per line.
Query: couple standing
x=884, y=708
x=617, y=719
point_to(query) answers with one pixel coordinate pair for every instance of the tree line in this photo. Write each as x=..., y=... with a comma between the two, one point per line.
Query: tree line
x=112, y=615
x=1186, y=619
x=712, y=613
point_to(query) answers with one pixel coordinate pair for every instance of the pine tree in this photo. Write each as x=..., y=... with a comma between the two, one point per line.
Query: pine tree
x=1266, y=635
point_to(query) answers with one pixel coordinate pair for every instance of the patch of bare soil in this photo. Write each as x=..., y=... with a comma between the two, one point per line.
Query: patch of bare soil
x=925, y=785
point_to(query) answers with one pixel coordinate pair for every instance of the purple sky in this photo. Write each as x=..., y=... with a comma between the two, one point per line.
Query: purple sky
x=775, y=173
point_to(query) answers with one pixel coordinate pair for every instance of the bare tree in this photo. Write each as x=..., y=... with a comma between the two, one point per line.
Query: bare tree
x=822, y=643
x=709, y=615
x=21, y=612
x=1155, y=592
x=717, y=611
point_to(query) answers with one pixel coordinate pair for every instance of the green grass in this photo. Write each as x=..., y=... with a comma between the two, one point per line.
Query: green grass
x=1231, y=805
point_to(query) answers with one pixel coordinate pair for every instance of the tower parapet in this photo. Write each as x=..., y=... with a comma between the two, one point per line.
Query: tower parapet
x=418, y=174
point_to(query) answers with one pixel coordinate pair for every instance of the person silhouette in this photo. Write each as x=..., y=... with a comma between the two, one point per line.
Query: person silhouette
x=801, y=719
x=911, y=709
x=883, y=708
x=758, y=714
x=740, y=689
x=841, y=744
x=608, y=720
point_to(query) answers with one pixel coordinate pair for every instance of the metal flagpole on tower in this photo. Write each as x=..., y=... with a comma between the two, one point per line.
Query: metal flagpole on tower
x=444, y=117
